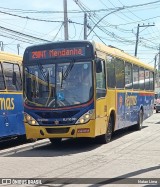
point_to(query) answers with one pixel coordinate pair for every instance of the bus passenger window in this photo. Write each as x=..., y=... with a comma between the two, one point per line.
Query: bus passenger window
x=151, y=80
x=100, y=78
x=135, y=77
x=8, y=72
x=147, y=82
x=12, y=75
x=119, y=72
x=2, y=87
x=18, y=80
x=141, y=78
x=110, y=72
x=128, y=76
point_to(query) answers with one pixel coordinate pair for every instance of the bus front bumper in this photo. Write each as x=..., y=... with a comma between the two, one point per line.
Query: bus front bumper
x=72, y=131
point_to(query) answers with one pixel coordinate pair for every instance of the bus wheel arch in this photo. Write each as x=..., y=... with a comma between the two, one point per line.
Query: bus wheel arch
x=139, y=124
x=106, y=138
x=140, y=118
x=113, y=117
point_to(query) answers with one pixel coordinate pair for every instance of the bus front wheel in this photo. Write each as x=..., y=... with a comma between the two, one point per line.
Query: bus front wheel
x=105, y=138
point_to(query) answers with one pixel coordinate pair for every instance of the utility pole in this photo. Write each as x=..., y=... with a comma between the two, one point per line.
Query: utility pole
x=158, y=67
x=137, y=38
x=2, y=46
x=85, y=26
x=137, y=35
x=18, y=46
x=155, y=70
x=65, y=20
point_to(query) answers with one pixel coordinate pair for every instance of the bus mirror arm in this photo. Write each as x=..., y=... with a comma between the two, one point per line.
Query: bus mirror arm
x=98, y=66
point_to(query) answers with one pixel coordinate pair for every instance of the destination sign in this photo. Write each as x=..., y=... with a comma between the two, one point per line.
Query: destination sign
x=57, y=53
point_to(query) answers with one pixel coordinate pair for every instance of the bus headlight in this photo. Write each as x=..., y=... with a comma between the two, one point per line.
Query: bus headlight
x=30, y=120
x=86, y=117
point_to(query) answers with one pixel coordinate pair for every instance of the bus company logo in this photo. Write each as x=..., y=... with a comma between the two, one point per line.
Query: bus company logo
x=56, y=122
x=131, y=101
x=7, y=104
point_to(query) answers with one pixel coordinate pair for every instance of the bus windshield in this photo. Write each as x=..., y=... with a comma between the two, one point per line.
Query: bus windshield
x=58, y=84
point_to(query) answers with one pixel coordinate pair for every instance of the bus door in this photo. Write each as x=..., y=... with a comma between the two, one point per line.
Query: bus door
x=101, y=107
x=3, y=124
x=12, y=99
x=128, y=109
x=7, y=116
x=3, y=113
x=15, y=115
x=120, y=93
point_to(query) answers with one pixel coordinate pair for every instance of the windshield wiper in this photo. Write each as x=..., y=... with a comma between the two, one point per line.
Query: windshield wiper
x=67, y=72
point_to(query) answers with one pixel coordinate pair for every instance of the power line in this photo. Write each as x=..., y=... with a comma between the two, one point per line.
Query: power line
x=26, y=35
x=58, y=31
x=43, y=20
x=26, y=17
x=75, y=11
x=52, y=12
x=115, y=7
x=120, y=39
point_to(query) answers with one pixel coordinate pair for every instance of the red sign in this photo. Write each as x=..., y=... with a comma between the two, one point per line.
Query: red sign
x=85, y=130
x=52, y=53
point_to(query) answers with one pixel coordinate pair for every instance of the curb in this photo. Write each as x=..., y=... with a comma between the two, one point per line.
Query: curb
x=24, y=147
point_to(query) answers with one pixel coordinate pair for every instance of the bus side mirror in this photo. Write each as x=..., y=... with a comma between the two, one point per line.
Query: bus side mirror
x=98, y=66
x=14, y=78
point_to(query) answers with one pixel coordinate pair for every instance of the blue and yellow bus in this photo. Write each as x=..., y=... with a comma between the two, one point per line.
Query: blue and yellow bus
x=84, y=89
x=11, y=96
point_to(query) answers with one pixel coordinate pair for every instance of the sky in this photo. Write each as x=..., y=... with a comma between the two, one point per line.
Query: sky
x=113, y=22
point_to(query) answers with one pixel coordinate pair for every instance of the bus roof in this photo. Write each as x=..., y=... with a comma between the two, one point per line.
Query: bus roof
x=120, y=54
x=58, y=43
x=100, y=47
x=9, y=57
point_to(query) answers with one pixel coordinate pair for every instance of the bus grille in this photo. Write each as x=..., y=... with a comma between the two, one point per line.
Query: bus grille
x=57, y=130
x=59, y=123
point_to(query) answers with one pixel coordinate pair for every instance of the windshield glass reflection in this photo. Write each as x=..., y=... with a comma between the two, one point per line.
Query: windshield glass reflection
x=58, y=85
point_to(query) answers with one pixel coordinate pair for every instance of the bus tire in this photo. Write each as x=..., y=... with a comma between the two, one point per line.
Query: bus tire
x=31, y=140
x=22, y=139
x=106, y=138
x=55, y=141
x=139, y=124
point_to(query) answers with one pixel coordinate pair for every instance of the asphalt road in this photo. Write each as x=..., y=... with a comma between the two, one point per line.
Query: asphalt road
x=133, y=156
